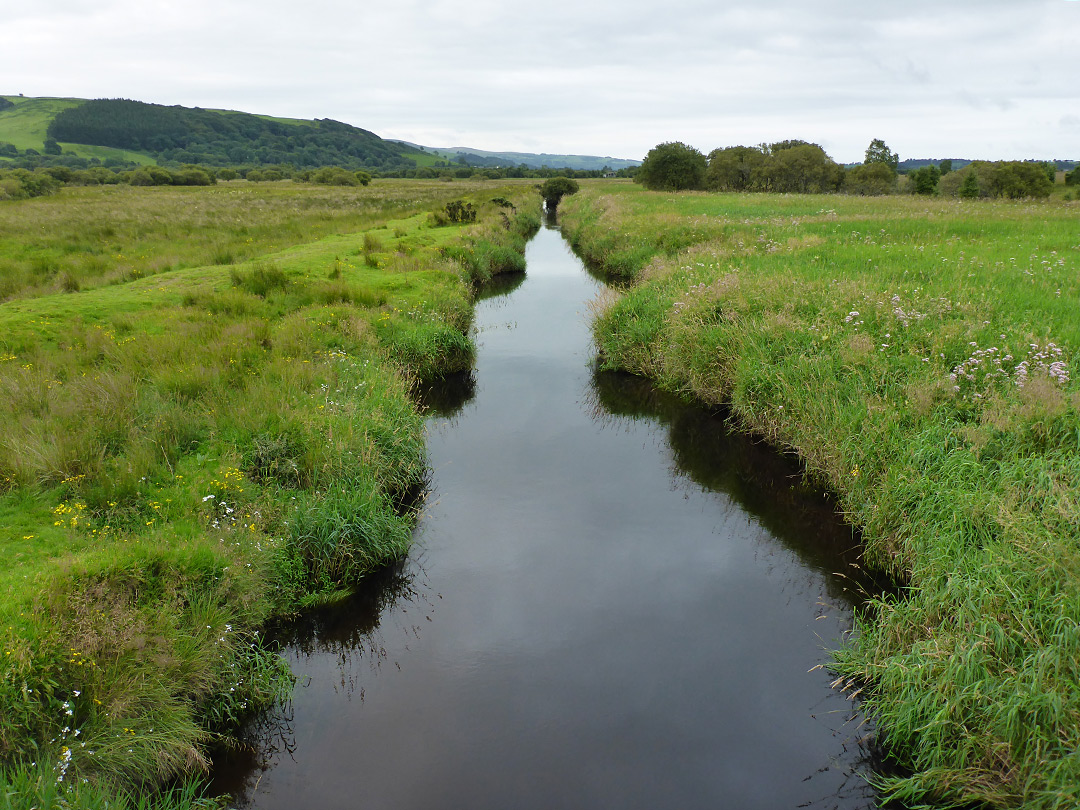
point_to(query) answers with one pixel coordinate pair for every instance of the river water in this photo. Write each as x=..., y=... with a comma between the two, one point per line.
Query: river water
x=612, y=602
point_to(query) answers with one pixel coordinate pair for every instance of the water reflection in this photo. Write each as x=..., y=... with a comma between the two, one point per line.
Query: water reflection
x=766, y=484
x=612, y=601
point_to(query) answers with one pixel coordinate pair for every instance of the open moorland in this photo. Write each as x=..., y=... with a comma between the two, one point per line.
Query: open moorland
x=207, y=425
x=917, y=354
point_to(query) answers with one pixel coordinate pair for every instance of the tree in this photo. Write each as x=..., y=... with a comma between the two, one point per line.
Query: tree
x=555, y=188
x=1015, y=180
x=945, y=166
x=672, y=166
x=925, y=179
x=870, y=179
x=733, y=168
x=878, y=152
x=800, y=167
x=969, y=188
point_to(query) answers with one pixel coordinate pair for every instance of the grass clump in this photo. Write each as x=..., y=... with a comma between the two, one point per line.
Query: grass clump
x=187, y=456
x=918, y=355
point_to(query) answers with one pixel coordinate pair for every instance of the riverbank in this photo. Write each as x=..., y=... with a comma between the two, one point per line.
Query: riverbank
x=191, y=451
x=916, y=354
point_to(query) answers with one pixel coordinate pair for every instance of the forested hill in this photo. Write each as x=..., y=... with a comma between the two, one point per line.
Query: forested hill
x=194, y=135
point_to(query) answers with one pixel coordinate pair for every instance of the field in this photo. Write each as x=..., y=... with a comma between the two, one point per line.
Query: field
x=25, y=125
x=918, y=355
x=208, y=425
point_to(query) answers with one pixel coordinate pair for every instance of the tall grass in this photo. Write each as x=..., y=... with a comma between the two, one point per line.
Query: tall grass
x=186, y=456
x=919, y=356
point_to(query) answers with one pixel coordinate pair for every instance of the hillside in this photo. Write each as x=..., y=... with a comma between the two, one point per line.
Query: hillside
x=193, y=135
x=121, y=131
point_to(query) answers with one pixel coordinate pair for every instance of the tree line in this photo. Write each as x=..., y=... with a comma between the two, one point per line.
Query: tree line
x=796, y=166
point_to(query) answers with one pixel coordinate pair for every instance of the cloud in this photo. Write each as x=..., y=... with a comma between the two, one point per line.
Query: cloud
x=929, y=77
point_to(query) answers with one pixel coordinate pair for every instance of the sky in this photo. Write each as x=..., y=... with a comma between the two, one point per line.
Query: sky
x=986, y=79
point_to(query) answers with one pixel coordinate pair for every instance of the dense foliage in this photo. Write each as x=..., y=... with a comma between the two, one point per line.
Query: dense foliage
x=193, y=135
x=785, y=166
x=672, y=166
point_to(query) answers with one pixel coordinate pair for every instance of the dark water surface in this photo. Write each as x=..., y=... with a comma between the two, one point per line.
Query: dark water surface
x=612, y=603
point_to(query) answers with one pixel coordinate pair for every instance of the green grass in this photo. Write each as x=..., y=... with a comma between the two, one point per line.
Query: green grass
x=25, y=125
x=84, y=238
x=906, y=349
x=188, y=454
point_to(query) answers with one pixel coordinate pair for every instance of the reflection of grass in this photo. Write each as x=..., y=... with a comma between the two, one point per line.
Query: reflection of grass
x=918, y=354
x=186, y=454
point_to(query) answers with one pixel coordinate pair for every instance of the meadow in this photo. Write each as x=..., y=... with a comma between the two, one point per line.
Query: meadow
x=918, y=355
x=209, y=425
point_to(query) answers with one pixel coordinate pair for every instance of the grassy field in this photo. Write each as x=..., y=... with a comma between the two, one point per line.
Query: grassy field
x=93, y=237
x=918, y=354
x=210, y=429
x=25, y=126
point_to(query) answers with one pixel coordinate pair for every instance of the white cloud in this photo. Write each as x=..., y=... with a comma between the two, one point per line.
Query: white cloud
x=933, y=78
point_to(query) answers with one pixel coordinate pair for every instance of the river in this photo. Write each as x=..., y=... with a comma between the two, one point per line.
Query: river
x=613, y=602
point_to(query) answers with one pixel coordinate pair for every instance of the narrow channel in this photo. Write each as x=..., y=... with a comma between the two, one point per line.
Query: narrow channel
x=612, y=602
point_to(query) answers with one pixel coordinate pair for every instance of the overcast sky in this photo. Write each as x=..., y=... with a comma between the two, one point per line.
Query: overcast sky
x=994, y=79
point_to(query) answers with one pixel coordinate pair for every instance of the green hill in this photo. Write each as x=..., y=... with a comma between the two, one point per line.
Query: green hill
x=121, y=131
x=137, y=132
x=194, y=135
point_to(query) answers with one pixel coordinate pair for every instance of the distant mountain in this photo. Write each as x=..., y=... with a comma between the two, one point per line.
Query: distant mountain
x=480, y=157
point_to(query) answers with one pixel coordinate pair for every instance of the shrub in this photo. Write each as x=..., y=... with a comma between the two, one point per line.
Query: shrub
x=460, y=211
x=335, y=176
x=555, y=188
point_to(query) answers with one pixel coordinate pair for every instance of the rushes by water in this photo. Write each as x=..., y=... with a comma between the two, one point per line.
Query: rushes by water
x=186, y=456
x=920, y=357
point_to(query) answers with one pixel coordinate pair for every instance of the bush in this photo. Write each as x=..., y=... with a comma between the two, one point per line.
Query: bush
x=672, y=166
x=555, y=188
x=20, y=184
x=460, y=211
x=335, y=176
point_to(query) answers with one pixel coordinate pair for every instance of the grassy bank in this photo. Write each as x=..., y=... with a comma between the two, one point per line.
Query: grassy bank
x=189, y=453
x=919, y=356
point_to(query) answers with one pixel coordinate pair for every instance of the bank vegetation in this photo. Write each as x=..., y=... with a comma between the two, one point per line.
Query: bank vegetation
x=919, y=356
x=208, y=425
